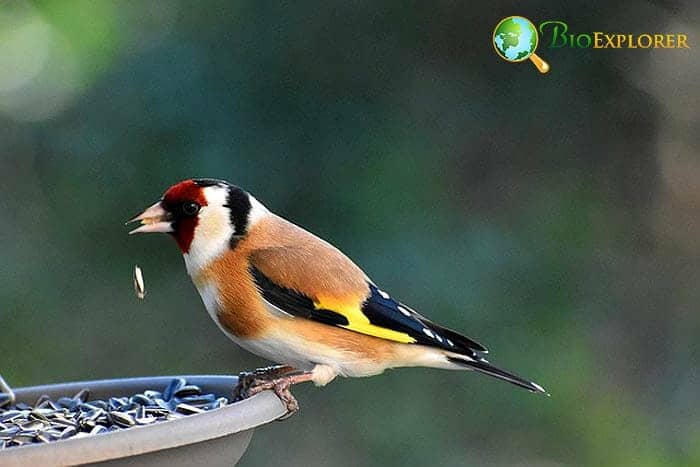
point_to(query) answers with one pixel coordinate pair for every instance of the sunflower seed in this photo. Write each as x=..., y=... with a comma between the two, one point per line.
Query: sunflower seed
x=10, y=415
x=69, y=432
x=40, y=414
x=32, y=425
x=100, y=404
x=44, y=437
x=68, y=403
x=161, y=404
x=94, y=414
x=98, y=429
x=146, y=420
x=175, y=385
x=116, y=403
x=43, y=398
x=47, y=405
x=121, y=418
x=75, y=417
x=23, y=438
x=150, y=394
x=139, y=286
x=87, y=425
x=82, y=395
x=9, y=432
x=199, y=399
x=140, y=399
x=187, y=390
x=63, y=422
x=53, y=433
x=188, y=409
x=157, y=412
x=87, y=407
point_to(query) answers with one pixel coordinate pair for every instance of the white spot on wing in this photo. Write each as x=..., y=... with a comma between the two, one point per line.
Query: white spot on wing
x=450, y=343
x=428, y=333
x=404, y=311
x=384, y=294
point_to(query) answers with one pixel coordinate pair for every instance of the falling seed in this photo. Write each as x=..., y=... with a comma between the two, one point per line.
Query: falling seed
x=139, y=286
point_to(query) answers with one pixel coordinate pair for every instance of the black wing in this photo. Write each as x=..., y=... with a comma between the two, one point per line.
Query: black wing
x=383, y=313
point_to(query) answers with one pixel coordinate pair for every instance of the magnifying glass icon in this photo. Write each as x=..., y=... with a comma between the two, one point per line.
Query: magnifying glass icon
x=515, y=39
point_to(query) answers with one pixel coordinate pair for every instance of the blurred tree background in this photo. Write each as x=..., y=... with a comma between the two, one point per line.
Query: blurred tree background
x=554, y=218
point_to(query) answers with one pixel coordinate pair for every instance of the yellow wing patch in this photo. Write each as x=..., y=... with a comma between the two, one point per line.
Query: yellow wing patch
x=358, y=322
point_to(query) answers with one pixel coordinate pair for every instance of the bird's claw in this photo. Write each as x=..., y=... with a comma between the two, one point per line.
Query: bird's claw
x=249, y=385
x=281, y=388
x=247, y=379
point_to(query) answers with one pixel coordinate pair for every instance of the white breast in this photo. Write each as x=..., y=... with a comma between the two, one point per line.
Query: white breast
x=210, y=297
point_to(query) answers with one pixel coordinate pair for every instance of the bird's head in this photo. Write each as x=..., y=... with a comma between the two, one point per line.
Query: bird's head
x=205, y=217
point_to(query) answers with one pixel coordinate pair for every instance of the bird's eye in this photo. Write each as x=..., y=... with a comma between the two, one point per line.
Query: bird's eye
x=190, y=208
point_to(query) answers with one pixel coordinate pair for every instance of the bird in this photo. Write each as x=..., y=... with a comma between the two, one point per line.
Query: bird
x=290, y=297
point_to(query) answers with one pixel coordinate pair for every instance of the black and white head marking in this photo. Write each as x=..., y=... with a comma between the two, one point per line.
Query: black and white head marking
x=229, y=213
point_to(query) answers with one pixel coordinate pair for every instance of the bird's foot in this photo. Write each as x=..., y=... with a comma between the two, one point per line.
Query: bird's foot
x=281, y=388
x=246, y=379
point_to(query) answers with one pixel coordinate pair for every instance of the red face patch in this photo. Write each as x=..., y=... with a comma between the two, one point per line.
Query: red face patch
x=174, y=199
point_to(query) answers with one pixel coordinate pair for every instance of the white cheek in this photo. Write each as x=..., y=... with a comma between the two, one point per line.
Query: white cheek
x=211, y=239
x=212, y=234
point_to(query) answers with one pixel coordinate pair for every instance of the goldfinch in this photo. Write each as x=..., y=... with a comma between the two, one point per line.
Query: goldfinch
x=288, y=296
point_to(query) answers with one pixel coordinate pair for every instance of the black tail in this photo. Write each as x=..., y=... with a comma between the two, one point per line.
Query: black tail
x=482, y=366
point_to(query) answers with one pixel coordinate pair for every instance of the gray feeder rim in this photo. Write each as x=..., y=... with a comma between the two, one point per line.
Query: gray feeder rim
x=244, y=415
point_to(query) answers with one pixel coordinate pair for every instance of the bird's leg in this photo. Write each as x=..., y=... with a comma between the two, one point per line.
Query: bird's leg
x=246, y=379
x=281, y=387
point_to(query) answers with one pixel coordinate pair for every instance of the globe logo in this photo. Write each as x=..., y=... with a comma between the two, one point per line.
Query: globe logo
x=515, y=40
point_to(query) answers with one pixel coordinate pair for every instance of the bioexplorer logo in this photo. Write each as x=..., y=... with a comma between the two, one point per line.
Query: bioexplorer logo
x=515, y=39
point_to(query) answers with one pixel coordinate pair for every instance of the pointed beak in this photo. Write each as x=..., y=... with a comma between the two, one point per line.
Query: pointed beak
x=154, y=219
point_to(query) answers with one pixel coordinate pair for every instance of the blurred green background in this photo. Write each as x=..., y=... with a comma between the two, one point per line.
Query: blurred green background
x=554, y=218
